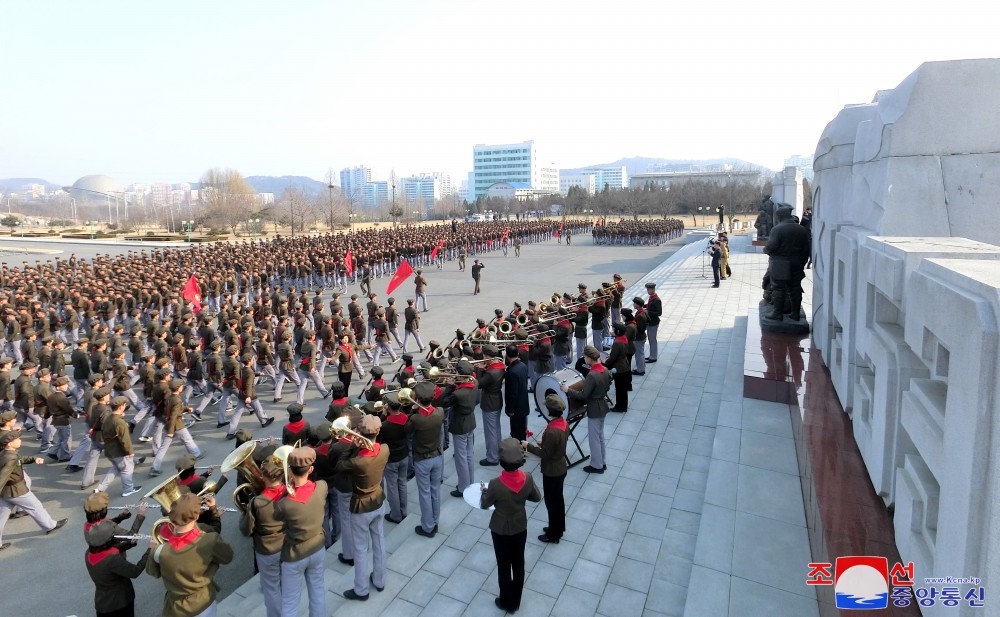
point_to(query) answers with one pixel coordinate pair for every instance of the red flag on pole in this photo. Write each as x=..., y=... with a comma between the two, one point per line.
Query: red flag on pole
x=349, y=262
x=558, y=231
x=403, y=272
x=436, y=248
x=192, y=293
x=505, y=232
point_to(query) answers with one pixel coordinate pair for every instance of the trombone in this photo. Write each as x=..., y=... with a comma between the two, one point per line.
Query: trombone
x=434, y=374
x=341, y=427
x=405, y=396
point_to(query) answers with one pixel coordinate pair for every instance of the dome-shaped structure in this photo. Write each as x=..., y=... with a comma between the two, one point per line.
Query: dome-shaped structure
x=93, y=186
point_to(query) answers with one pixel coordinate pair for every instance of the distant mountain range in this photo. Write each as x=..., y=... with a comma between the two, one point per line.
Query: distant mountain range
x=16, y=185
x=644, y=164
x=275, y=184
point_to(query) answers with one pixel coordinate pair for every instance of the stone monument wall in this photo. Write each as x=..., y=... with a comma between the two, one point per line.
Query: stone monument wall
x=906, y=305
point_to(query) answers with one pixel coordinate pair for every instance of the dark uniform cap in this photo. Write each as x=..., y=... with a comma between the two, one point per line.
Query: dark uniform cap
x=407, y=357
x=44, y=372
x=82, y=340
x=337, y=386
x=186, y=509
x=638, y=302
x=7, y=416
x=94, y=378
x=650, y=285
x=554, y=403
x=424, y=392
x=301, y=457
x=511, y=451
x=243, y=435
x=247, y=357
x=491, y=350
x=619, y=328
x=232, y=349
x=186, y=461
x=176, y=383
x=8, y=436
x=6, y=360
x=376, y=371
x=102, y=392
x=591, y=352
x=27, y=365
x=96, y=502
x=370, y=425
x=100, y=533
x=322, y=430
x=119, y=401
x=295, y=408
x=463, y=367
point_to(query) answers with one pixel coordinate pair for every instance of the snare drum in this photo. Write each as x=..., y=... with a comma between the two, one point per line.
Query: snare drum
x=549, y=384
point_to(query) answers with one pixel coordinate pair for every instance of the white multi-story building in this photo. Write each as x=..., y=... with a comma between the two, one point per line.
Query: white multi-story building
x=511, y=163
x=374, y=194
x=586, y=181
x=33, y=191
x=162, y=194
x=353, y=181
x=615, y=177
x=463, y=190
x=802, y=163
x=423, y=188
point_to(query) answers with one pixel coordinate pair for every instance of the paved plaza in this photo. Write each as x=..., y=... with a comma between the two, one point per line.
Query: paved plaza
x=701, y=490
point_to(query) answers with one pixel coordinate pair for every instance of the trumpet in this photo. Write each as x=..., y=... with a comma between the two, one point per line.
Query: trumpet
x=406, y=397
x=342, y=426
x=434, y=374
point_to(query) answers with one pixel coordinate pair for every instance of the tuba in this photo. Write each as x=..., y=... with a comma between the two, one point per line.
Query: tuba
x=165, y=493
x=251, y=479
x=157, y=530
x=437, y=353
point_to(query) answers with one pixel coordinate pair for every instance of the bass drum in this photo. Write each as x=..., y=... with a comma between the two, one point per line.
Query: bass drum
x=550, y=383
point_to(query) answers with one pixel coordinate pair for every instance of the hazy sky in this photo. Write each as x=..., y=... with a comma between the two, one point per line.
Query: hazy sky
x=146, y=91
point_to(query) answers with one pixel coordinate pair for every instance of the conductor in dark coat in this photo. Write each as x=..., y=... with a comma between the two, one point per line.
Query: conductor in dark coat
x=515, y=387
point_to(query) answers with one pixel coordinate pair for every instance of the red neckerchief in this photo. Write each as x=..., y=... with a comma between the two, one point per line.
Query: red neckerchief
x=178, y=542
x=641, y=311
x=497, y=365
x=296, y=427
x=408, y=369
x=563, y=324
x=599, y=303
x=345, y=440
x=514, y=480
x=437, y=391
x=523, y=347
x=273, y=494
x=304, y=492
x=622, y=339
x=190, y=479
x=428, y=411
x=346, y=348
x=95, y=558
x=482, y=329
x=546, y=341
x=87, y=526
x=397, y=418
x=378, y=383
x=597, y=367
x=323, y=449
x=559, y=423
x=367, y=452
x=652, y=297
x=340, y=401
x=464, y=385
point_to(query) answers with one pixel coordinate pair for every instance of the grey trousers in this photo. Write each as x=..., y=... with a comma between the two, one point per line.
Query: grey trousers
x=429, y=487
x=395, y=487
x=283, y=374
x=651, y=337
x=270, y=582
x=81, y=450
x=28, y=504
x=311, y=569
x=580, y=344
x=420, y=298
x=363, y=526
x=255, y=406
x=640, y=355
x=491, y=434
x=224, y=403
x=383, y=348
x=185, y=438
x=90, y=466
x=120, y=466
x=416, y=337
x=331, y=518
x=346, y=531
x=64, y=441
x=595, y=436
x=465, y=463
x=305, y=377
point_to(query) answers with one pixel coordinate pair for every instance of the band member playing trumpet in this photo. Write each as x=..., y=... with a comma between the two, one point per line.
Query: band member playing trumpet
x=509, y=522
x=187, y=560
x=114, y=595
x=552, y=451
x=393, y=435
x=303, y=552
x=425, y=426
x=258, y=522
x=462, y=401
x=367, y=507
x=491, y=384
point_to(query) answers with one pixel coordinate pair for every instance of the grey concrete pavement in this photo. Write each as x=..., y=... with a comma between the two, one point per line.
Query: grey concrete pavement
x=463, y=554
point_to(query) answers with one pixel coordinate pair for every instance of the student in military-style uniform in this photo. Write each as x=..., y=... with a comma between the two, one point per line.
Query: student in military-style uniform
x=268, y=534
x=303, y=551
x=552, y=450
x=111, y=572
x=594, y=394
x=14, y=491
x=509, y=522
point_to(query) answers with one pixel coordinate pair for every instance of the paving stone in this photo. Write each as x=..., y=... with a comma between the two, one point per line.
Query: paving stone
x=708, y=594
x=626, y=487
x=547, y=579
x=775, y=562
x=653, y=504
x=402, y=608
x=693, y=480
x=443, y=606
x=619, y=507
x=634, y=470
x=640, y=548
x=661, y=485
x=585, y=509
x=768, y=452
x=619, y=601
x=481, y=558
x=770, y=493
x=721, y=488
x=421, y=588
x=588, y=575
x=678, y=543
x=600, y=550
x=671, y=568
x=535, y=604
x=750, y=599
x=648, y=525
x=563, y=554
x=610, y=528
x=414, y=553
x=632, y=574
x=481, y=606
x=464, y=537
x=573, y=602
x=463, y=585
x=714, y=547
x=444, y=561
x=674, y=450
x=666, y=596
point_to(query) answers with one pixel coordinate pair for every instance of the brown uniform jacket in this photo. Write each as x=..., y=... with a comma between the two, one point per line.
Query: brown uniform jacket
x=509, y=517
x=303, y=519
x=187, y=573
x=117, y=440
x=60, y=409
x=365, y=470
x=259, y=522
x=594, y=393
x=426, y=430
x=112, y=575
x=552, y=451
x=12, y=475
x=173, y=414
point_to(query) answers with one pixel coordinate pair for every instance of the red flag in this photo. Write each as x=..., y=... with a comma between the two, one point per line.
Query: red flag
x=192, y=293
x=505, y=232
x=558, y=231
x=349, y=262
x=403, y=272
x=436, y=248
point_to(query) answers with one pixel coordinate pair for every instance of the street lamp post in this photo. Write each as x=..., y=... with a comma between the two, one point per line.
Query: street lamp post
x=108, y=196
x=703, y=210
x=187, y=226
x=253, y=227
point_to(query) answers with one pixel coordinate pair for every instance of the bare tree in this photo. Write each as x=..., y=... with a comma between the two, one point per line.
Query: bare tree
x=227, y=199
x=298, y=208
